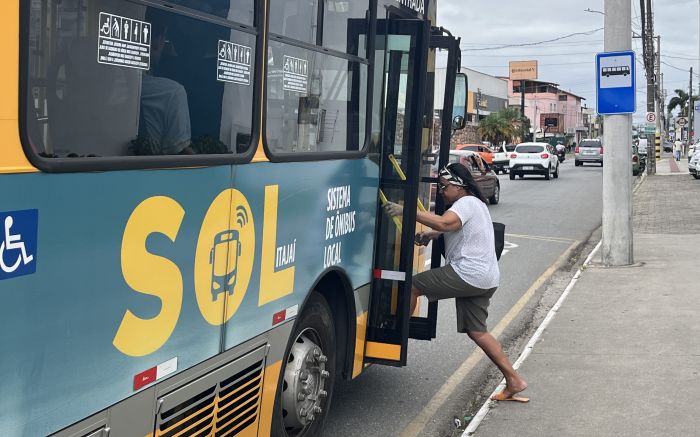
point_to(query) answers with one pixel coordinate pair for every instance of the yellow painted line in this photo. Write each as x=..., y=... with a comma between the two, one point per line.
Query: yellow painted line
x=541, y=238
x=454, y=382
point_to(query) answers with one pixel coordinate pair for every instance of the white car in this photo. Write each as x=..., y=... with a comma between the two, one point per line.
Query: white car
x=500, y=158
x=534, y=158
x=694, y=165
x=692, y=149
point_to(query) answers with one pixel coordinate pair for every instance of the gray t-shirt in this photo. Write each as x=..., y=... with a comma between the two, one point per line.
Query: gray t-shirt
x=470, y=250
x=165, y=115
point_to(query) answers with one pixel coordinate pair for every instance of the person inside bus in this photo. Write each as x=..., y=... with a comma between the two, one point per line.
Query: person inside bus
x=164, y=119
x=471, y=274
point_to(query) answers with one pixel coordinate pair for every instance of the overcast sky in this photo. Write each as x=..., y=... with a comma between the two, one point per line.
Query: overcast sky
x=569, y=62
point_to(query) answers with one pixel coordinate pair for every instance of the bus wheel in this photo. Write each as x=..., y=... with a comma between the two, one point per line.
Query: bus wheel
x=306, y=381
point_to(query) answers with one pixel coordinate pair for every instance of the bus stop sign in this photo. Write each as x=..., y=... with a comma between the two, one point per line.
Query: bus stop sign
x=615, y=83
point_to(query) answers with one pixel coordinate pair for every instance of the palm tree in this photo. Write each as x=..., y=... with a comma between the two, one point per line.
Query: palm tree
x=492, y=127
x=500, y=126
x=513, y=120
x=680, y=101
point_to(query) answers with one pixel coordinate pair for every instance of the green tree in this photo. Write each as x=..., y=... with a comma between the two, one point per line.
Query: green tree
x=503, y=125
x=680, y=101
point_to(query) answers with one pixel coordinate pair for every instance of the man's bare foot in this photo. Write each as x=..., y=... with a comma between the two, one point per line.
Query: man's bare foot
x=514, y=386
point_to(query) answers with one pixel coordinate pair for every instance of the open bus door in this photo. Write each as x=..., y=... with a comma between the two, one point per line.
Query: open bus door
x=402, y=45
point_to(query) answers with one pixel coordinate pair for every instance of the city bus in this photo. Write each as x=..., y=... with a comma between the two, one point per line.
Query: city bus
x=193, y=238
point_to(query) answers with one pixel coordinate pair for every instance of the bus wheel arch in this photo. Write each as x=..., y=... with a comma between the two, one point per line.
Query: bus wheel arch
x=315, y=356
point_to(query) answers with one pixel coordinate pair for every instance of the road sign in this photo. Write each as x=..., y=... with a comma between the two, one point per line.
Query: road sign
x=681, y=121
x=651, y=117
x=615, y=83
x=650, y=129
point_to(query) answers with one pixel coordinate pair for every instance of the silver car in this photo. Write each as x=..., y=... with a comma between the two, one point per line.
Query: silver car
x=589, y=151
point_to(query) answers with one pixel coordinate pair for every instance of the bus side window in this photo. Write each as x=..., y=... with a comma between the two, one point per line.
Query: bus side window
x=294, y=19
x=342, y=19
x=176, y=102
x=316, y=99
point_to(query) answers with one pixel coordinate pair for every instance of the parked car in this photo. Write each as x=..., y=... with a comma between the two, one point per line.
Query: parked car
x=483, y=173
x=588, y=151
x=692, y=149
x=694, y=165
x=534, y=158
x=635, y=161
x=484, y=151
x=500, y=158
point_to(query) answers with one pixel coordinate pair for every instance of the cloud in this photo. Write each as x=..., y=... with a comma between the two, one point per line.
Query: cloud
x=571, y=61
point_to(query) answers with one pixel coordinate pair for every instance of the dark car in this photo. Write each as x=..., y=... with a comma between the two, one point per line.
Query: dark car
x=482, y=172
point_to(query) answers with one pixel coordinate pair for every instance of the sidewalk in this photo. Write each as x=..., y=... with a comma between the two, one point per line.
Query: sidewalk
x=622, y=355
x=669, y=166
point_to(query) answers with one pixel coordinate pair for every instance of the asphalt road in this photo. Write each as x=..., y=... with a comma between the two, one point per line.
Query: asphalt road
x=543, y=219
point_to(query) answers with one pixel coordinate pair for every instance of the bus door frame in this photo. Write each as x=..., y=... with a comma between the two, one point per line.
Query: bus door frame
x=388, y=344
x=425, y=328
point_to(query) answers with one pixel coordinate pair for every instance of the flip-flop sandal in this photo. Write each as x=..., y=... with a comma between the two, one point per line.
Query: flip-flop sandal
x=502, y=397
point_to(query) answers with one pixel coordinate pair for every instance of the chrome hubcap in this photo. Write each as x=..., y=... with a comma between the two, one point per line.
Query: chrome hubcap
x=305, y=378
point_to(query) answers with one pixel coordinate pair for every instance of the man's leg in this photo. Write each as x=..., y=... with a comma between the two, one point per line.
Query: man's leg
x=414, y=298
x=514, y=382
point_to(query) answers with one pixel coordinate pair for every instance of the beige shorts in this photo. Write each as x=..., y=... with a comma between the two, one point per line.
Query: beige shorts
x=472, y=302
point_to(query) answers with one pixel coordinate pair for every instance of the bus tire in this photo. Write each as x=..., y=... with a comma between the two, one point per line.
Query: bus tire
x=308, y=374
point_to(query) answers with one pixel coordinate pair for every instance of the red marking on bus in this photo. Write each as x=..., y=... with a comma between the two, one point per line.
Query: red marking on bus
x=279, y=317
x=377, y=273
x=144, y=378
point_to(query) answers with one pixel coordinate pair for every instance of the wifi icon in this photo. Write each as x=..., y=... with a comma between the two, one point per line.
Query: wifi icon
x=241, y=216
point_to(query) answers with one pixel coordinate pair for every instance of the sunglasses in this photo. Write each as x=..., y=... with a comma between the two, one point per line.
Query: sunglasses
x=442, y=187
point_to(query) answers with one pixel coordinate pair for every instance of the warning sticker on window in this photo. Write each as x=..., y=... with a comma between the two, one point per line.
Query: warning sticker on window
x=233, y=63
x=124, y=42
x=295, y=75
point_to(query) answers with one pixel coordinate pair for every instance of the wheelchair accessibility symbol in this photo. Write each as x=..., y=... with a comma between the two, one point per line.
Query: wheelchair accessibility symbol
x=18, y=243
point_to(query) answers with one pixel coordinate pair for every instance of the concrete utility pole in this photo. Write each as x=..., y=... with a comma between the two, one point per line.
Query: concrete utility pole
x=657, y=92
x=617, y=247
x=647, y=17
x=691, y=113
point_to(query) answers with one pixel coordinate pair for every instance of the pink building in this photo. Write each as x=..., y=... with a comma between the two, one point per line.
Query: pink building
x=553, y=113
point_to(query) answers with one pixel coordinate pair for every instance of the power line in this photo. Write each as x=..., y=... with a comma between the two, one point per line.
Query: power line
x=679, y=57
x=533, y=55
x=590, y=32
x=541, y=65
x=563, y=43
x=685, y=70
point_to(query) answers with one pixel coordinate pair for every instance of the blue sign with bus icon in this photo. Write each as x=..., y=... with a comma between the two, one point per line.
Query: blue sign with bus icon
x=18, y=245
x=615, y=83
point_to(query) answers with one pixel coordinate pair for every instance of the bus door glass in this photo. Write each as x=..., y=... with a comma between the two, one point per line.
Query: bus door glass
x=437, y=132
x=400, y=57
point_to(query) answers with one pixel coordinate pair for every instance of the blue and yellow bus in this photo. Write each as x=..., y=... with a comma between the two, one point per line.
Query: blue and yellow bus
x=193, y=241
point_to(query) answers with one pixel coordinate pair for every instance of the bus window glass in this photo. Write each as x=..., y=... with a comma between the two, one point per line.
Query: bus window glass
x=171, y=98
x=240, y=11
x=315, y=102
x=296, y=19
x=345, y=22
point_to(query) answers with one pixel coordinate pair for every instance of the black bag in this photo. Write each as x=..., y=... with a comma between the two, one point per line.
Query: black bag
x=499, y=236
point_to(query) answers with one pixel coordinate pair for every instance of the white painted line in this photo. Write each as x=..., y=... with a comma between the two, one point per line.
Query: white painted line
x=455, y=380
x=486, y=407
